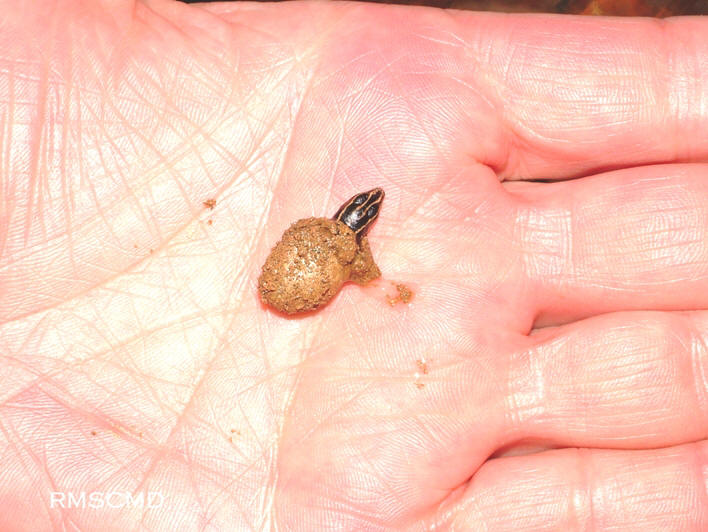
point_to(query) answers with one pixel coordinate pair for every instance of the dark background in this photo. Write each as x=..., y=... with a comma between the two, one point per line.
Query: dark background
x=649, y=8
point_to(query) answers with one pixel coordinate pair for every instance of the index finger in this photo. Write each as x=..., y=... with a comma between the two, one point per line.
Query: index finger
x=582, y=95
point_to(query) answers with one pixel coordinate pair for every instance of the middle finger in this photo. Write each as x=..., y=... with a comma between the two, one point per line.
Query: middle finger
x=629, y=239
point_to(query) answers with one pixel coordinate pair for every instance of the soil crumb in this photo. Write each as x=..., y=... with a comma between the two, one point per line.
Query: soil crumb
x=422, y=365
x=403, y=295
x=311, y=262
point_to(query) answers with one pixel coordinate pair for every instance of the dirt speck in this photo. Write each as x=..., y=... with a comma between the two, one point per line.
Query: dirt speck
x=210, y=203
x=210, y=221
x=403, y=295
x=422, y=366
x=93, y=433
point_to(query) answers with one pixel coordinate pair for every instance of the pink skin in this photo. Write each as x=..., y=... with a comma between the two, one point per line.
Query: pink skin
x=562, y=324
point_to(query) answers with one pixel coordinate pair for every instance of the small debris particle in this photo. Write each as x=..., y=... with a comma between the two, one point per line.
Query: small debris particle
x=135, y=246
x=93, y=433
x=210, y=203
x=403, y=295
x=151, y=250
x=209, y=221
x=422, y=365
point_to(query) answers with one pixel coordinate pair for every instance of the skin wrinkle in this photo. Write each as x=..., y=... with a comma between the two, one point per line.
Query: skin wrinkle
x=583, y=501
x=700, y=457
x=36, y=136
x=527, y=399
x=545, y=240
x=698, y=351
x=678, y=103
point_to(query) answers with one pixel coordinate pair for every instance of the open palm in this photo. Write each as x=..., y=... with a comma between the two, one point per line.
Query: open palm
x=551, y=372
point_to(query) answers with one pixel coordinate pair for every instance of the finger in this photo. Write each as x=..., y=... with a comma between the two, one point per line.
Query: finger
x=625, y=380
x=583, y=95
x=629, y=239
x=579, y=489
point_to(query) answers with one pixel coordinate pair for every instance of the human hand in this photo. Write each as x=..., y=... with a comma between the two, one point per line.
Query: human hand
x=551, y=371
